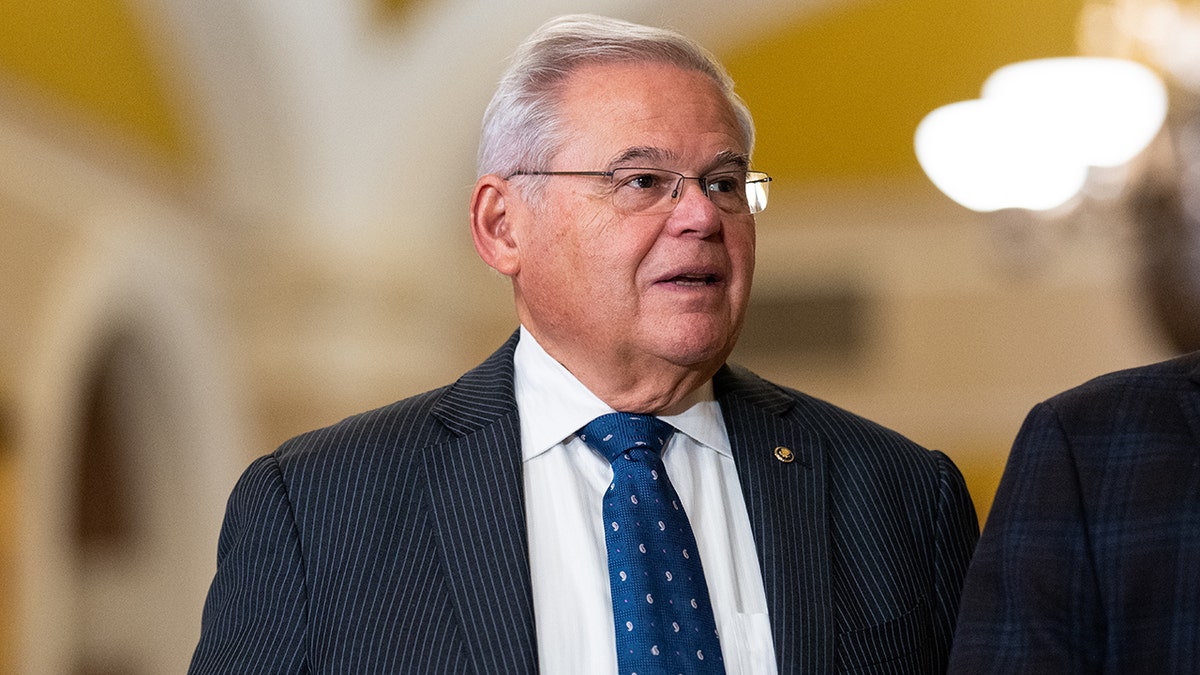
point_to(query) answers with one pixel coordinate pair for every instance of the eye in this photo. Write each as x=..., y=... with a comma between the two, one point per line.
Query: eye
x=640, y=179
x=724, y=182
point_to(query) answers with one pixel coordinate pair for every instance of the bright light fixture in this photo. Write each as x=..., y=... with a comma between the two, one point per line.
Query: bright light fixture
x=988, y=156
x=1028, y=142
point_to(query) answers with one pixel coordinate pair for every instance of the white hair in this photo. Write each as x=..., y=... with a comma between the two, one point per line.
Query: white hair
x=521, y=127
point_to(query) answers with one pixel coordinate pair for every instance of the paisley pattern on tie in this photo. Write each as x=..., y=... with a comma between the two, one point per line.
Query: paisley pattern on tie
x=661, y=609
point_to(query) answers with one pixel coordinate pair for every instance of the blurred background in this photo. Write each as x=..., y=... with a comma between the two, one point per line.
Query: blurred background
x=223, y=223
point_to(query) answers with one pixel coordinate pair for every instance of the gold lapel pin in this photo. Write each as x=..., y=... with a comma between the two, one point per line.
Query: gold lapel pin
x=784, y=455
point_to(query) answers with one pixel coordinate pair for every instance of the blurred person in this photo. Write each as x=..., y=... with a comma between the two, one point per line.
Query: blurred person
x=603, y=494
x=1090, y=558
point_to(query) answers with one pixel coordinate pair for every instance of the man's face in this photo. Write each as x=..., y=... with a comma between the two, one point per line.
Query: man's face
x=630, y=288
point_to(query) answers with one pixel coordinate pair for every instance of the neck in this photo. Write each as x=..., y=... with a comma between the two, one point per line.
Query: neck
x=654, y=395
x=647, y=385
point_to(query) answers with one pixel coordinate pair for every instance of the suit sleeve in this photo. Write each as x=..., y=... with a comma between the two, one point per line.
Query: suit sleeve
x=957, y=534
x=1030, y=601
x=255, y=614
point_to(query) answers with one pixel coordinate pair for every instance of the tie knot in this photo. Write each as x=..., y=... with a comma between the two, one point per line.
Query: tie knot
x=614, y=434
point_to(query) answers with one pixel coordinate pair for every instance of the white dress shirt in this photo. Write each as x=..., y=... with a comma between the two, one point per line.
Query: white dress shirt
x=564, y=484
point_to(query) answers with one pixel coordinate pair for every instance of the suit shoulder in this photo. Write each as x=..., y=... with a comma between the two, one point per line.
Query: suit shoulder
x=1126, y=398
x=1169, y=374
x=393, y=427
x=388, y=438
x=842, y=432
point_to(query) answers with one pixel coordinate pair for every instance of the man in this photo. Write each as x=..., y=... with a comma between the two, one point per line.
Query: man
x=1090, y=560
x=463, y=530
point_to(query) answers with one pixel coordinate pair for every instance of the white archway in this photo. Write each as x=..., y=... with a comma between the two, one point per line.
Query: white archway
x=127, y=343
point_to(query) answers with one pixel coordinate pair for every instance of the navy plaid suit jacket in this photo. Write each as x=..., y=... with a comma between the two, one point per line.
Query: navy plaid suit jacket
x=1090, y=560
x=394, y=541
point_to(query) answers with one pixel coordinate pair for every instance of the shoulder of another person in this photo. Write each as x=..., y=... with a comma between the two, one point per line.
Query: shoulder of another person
x=1175, y=373
x=1133, y=396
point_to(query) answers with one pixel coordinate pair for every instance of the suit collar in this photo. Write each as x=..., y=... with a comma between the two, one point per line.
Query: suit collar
x=477, y=499
x=735, y=386
x=481, y=396
x=733, y=381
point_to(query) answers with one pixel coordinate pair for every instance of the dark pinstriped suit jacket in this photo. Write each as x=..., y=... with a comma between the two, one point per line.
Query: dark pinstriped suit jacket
x=394, y=541
x=1090, y=561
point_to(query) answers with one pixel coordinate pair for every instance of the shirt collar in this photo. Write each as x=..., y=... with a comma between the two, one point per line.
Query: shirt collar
x=553, y=404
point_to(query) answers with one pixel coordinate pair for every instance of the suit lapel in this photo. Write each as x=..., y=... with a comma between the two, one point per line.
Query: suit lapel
x=476, y=496
x=787, y=506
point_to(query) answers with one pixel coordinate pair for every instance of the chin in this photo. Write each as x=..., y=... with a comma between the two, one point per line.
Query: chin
x=695, y=341
x=697, y=350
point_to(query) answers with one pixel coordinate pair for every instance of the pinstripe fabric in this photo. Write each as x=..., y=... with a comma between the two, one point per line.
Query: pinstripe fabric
x=394, y=541
x=396, y=551
x=1090, y=561
x=863, y=540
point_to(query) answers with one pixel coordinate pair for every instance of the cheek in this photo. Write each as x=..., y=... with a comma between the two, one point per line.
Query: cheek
x=582, y=249
x=607, y=251
x=561, y=269
x=740, y=240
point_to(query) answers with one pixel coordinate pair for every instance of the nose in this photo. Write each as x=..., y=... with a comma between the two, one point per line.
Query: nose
x=694, y=213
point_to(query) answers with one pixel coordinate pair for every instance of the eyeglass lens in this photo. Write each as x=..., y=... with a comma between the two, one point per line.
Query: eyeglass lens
x=639, y=190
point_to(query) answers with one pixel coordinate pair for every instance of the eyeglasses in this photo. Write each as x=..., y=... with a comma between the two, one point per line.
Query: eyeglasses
x=636, y=190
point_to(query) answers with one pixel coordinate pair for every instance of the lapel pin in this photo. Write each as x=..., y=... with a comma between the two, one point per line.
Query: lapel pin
x=784, y=455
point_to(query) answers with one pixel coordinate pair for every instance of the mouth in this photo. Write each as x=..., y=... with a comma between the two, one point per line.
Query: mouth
x=694, y=279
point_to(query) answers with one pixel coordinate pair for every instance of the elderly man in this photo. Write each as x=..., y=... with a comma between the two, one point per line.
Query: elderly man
x=604, y=494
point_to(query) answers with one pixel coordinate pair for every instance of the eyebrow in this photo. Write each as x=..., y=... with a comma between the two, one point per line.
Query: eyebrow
x=724, y=158
x=641, y=153
x=655, y=154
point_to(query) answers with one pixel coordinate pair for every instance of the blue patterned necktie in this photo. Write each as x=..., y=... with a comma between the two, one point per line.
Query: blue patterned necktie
x=661, y=610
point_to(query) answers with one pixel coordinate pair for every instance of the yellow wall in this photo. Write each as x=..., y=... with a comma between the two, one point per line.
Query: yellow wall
x=840, y=96
x=93, y=57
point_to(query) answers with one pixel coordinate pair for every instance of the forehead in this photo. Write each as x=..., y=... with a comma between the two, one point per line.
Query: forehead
x=609, y=111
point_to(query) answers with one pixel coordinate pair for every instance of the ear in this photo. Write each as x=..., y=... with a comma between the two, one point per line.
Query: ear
x=492, y=224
